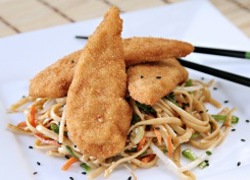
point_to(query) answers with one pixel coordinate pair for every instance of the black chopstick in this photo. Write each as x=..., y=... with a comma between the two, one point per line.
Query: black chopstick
x=216, y=72
x=222, y=52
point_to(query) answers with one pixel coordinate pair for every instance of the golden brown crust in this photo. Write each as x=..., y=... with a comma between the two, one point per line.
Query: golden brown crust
x=54, y=80
x=98, y=117
x=140, y=49
x=149, y=82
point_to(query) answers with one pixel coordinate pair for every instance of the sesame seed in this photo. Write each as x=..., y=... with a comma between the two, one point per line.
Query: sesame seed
x=247, y=121
x=239, y=163
x=233, y=129
x=72, y=61
x=226, y=101
x=71, y=178
x=141, y=76
x=84, y=173
x=38, y=163
x=75, y=146
x=202, y=78
x=129, y=178
x=243, y=140
x=158, y=77
x=215, y=88
x=200, y=112
x=30, y=147
x=66, y=156
x=34, y=173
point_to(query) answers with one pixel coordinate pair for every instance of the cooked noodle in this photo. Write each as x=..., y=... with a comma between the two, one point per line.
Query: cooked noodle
x=153, y=136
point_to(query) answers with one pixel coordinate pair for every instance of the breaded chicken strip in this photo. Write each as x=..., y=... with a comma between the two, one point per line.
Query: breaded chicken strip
x=97, y=115
x=149, y=82
x=54, y=81
x=139, y=49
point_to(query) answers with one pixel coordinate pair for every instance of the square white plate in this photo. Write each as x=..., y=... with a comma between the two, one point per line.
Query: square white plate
x=22, y=56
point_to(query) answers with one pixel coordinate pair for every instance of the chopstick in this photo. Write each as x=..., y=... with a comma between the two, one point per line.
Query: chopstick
x=208, y=70
x=216, y=72
x=213, y=51
x=223, y=52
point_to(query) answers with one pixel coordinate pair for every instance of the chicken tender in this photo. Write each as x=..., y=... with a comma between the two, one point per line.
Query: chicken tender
x=54, y=81
x=97, y=115
x=139, y=49
x=149, y=82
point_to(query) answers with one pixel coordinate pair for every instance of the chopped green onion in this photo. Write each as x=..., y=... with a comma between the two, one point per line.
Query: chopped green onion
x=189, y=154
x=234, y=119
x=209, y=153
x=171, y=97
x=54, y=128
x=195, y=135
x=132, y=150
x=86, y=167
x=145, y=108
x=165, y=150
x=135, y=119
x=71, y=152
x=203, y=164
x=189, y=82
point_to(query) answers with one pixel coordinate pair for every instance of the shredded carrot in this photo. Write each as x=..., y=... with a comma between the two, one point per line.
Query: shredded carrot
x=158, y=135
x=170, y=147
x=22, y=124
x=46, y=140
x=141, y=143
x=32, y=116
x=148, y=158
x=68, y=163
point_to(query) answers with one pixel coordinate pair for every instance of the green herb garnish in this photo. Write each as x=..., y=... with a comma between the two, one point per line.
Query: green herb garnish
x=190, y=155
x=209, y=153
x=86, y=167
x=171, y=97
x=234, y=119
x=132, y=150
x=54, y=128
x=135, y=119
x=195, y=135
x=189, y=82
x=165, y=150
x=203, y=164
x=71, y=152
x=145, y=108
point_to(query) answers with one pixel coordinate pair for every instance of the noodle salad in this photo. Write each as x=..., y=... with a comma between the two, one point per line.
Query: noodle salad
x=157, y=133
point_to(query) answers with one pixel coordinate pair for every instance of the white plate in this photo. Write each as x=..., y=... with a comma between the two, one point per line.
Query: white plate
x=24, y=55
